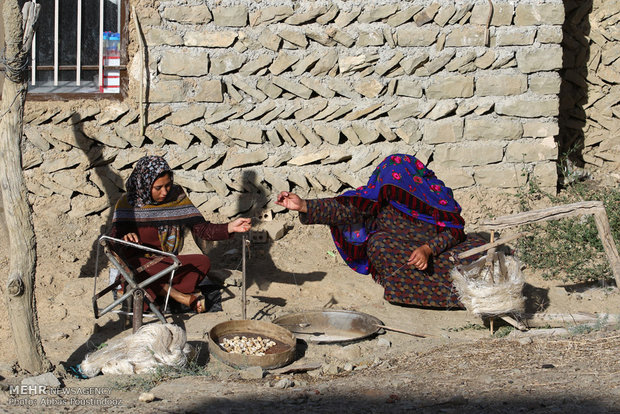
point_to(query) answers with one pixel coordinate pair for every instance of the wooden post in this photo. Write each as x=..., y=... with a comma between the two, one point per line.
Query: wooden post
x=138, y=307
x=142, y=49
x=20, y=299
x=604, y=232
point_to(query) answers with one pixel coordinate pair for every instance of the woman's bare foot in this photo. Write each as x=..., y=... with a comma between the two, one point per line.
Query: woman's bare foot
x=194, y=301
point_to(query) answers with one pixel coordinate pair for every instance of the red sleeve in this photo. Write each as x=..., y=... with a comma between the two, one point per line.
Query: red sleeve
x=211, y=231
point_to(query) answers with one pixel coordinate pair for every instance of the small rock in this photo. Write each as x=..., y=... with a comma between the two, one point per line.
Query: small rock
x=331, y=369
x=384, y=343
x=315, y=373
x=362, y=365
x=283, y=384
x=526, y=340
x=275, y=229
x=348, y=367
x=252, y=373
x=349, y=353
x=47, y=379
x=146, y=397
x=6, y=369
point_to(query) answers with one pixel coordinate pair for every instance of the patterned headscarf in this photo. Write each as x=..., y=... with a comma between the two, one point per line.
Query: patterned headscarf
x=410, y=175
x=404, y=182
x=138, y=207
x=141, y=180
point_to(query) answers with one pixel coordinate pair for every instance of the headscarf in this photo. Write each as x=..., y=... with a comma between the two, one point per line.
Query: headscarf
x=138, y=207
x=409, y=186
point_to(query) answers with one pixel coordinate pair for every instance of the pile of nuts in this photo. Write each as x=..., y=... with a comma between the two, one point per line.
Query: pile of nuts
x=248, y=346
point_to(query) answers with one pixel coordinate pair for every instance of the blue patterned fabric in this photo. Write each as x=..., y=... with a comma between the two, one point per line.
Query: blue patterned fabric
x=404, y=182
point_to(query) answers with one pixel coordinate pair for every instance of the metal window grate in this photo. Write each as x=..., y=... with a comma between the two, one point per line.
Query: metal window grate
x=68, y=49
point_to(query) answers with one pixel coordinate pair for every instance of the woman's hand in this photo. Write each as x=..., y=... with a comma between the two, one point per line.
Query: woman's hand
x=240, y=225
x=292, y=202
x=419, y=257
x=131, y=237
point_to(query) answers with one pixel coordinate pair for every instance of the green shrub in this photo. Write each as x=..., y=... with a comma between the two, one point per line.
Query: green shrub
x=570, y=249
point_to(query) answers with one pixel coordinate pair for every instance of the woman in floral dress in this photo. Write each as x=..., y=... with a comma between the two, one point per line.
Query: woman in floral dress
x=404, y=227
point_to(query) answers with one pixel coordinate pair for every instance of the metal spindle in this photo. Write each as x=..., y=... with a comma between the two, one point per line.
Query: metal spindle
x=243, y=286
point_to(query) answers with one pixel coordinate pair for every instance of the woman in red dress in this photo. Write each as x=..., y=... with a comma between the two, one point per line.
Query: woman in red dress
x=153, y=213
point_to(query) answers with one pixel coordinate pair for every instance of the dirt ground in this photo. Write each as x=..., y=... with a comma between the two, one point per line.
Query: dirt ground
x=458, y=367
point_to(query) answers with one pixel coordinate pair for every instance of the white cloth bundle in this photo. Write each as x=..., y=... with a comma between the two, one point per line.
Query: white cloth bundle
x=151, y=346
x=491, y=290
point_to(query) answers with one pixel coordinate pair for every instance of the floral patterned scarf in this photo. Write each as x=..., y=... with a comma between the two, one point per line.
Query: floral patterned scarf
x=404, y=182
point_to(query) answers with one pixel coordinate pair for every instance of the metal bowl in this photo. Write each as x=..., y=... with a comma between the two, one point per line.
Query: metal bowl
x=281, y=354
x=328, y=326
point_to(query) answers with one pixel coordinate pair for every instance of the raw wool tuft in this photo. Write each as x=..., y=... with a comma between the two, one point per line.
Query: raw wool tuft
x=151, y=346
x=486, y=290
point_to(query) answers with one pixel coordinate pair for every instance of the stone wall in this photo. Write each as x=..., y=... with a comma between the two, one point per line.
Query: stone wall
x=590, y=96
x=248, y=98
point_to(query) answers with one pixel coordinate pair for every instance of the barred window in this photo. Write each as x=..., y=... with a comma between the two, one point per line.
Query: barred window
x=78, y=48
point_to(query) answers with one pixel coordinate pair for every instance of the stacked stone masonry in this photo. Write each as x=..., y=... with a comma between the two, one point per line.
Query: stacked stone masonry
x=591, y=96
x=248, y=98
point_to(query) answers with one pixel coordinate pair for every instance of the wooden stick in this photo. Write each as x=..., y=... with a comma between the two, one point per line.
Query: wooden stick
x=487, y=34
x=546, y=214
x=142, y=63
x=537, y=320
x=387, y=328
x=488, y=246
x=595, y=208
x=519, y=325
x=604, y=233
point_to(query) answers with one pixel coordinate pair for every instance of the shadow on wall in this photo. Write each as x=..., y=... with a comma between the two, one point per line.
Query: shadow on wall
x=107, y=178
x=263, y=271
x=260, y=267
x=574, y=88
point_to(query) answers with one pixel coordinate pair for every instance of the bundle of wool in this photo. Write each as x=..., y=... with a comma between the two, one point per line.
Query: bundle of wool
x=151, y=346
x=490, y=290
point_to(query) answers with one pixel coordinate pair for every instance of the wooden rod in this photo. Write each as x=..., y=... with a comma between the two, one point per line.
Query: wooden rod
x=388, y=328
x=546, y=214
x=489, y=246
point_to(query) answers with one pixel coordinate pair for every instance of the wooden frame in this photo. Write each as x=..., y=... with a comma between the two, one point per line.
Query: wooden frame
x=595, y=208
